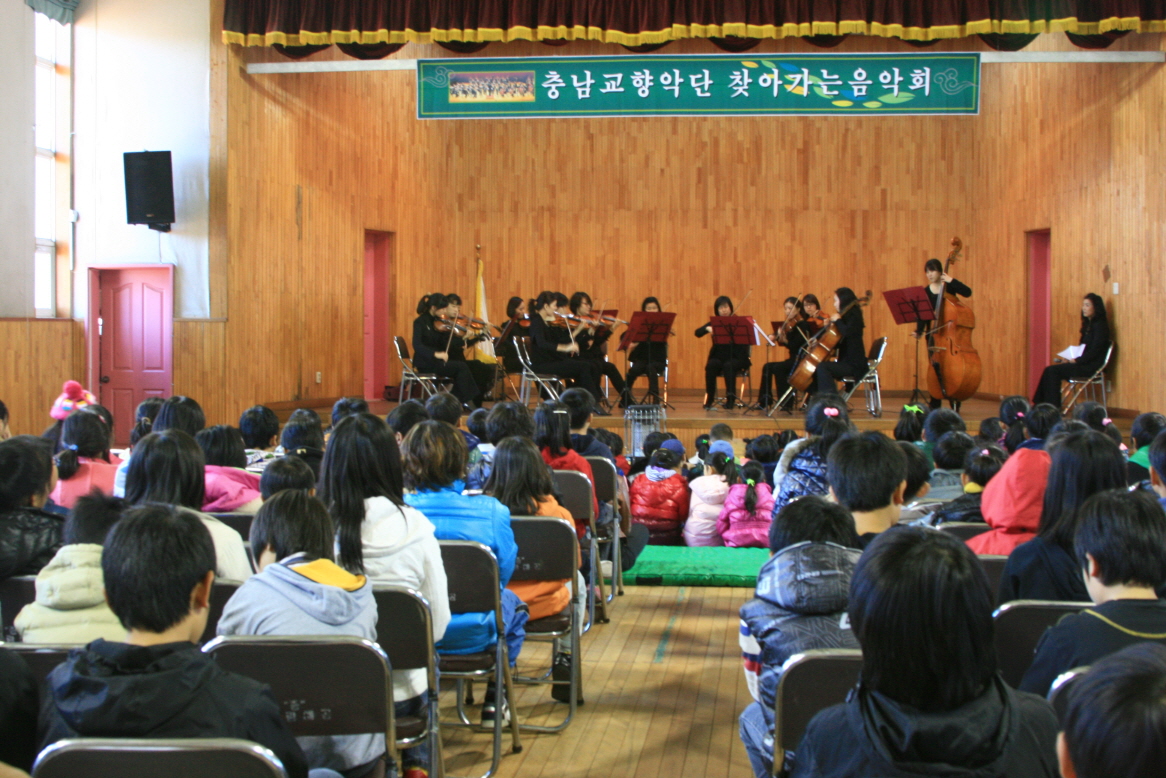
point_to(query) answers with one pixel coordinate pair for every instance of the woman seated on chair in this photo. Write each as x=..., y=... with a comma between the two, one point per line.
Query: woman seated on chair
x=650, y=359
x=1095, y=339
x=553, y=350
x=517, y=325
x=593, y=346
x=727, y=360
x=794, y=337
x=851, y=350
x=433, y=349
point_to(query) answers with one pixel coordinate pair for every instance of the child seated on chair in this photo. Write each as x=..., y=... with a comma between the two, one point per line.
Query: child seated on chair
x=938, y=423
x=229, y=488
x=288, y=472
x=304, y=438
x=950, y=451
x=300, y=590
x=746, y=515
x=552, y=434
x=1121, y=549
x=505, y=419
x=799, y=604
x=867, y=472
x=660, y=498
x=915, y=504
x=980, y=467
x=802, y=467
x=158, y=567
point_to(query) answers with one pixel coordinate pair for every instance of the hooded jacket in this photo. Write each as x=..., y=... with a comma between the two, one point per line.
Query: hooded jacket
x=660, y=503
x=171, y=690
x=480, y=518
x=29, y=537
x=799, y=604
x=298, y=597
x=70, y=601
x=704, y=508
x=739, y=527
x=800, y=472
x=1012, y=503
x=399, y=547
x=1000, y=734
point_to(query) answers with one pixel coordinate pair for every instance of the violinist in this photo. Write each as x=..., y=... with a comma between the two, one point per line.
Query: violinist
x=1095, y=339
x=726, y=360
x=647, y=358
x=475, y=332
x=433, y=347
x=552, y=349
x=592, y=339
x=850, y=350
x=517, y=322
x=794, y=333
x=815, y=318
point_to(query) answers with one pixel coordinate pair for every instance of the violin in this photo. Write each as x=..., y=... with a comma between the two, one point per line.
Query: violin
x=564, y=320
x=822, y=347
x=450, y=324
x=790, y=322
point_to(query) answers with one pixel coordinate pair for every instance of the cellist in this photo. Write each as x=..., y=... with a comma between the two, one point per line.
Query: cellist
x=851, y=349
x=936, y=279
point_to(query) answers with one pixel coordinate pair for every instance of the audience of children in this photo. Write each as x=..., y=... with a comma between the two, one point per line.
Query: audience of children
x=660, y=498
x=1045, y=568
x=748, y=510
x=867, y=473
x=84, y=462
x=70, y=602
x=801, y=470
x=229, y=488
x=930, y=701
x=29, y=535
x=707, y=497
x=1120, y=549
x=799, y=604
x=178, y=412
x=981, y=465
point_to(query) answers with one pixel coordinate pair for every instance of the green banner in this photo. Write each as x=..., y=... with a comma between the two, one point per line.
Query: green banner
x=699, y=85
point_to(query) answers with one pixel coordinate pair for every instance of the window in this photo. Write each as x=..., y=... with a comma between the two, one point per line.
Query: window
x=52, y=124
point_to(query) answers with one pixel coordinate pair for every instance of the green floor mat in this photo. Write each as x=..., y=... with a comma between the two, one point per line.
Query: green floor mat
x=683, y=566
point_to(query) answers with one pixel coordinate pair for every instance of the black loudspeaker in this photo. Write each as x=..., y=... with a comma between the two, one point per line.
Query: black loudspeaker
x=149, y=189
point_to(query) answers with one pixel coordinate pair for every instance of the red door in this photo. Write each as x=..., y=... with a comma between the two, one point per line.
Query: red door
x=1040, y=301
x=378, y=247
x=135, y=326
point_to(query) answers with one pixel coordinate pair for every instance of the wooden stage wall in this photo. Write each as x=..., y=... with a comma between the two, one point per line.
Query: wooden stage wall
x=682, y=208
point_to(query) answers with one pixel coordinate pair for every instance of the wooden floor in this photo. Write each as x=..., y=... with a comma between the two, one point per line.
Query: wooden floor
x=663, y=686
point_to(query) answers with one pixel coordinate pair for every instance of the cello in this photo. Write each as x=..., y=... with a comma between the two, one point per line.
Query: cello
x=954, y=365
x=823, y=346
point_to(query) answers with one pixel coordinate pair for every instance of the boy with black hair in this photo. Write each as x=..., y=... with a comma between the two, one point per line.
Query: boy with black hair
x=949, y=453
x=1121, y=550
x=938, y=423
x=289, y=472
x=402, y=418
x=1115, y=723
x=867, y=473
x=580, y=404
x=158, y=567
x=347, y=406
x=260, y=428
x=70, y=602
x=476, y=424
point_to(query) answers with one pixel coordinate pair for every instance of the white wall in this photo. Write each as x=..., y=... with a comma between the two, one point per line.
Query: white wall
x=16, y=158
x=142, y=83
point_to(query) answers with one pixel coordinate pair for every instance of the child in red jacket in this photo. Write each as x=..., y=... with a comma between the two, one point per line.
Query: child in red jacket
x=660, y=498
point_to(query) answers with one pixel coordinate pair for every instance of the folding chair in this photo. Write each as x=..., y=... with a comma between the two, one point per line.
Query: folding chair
x=1020, y=624
x=869, y=381
x=810, y=682
x=964, y=530
x=177, y=758
x=552, y=385
x=405, y=632
x=579, y=500
x=325, y=685
x=221, y=591
x=1090, y=385
x=15, y=593
x=607, y=490
x=546, y=552
x=1061, y=689
x=409, y=376
x=240, y=522
x=993, y=565
x=471, y=571
x=42, y=658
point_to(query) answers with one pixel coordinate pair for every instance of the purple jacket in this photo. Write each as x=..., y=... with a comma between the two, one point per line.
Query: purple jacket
x=738, y=527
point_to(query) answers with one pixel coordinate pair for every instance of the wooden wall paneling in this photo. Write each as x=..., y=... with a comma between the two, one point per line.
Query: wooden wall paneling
x=202, y=369
x=37, y=356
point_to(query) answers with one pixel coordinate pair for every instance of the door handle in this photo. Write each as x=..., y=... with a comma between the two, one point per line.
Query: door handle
x=105, y=379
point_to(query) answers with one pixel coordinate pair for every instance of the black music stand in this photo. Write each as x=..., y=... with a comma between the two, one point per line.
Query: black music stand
x=647, y=327
x=910, y=305
x=734, y=330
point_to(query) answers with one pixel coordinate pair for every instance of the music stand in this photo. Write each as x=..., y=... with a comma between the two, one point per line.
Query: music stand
x=647, y=327
x=910, y=305
x=734, y=330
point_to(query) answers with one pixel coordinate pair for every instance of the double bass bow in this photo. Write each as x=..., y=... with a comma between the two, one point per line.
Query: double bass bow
x=953, y=363
x=821, y=347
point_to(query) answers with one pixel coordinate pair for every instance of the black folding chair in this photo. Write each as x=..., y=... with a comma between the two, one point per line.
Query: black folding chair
x=177, y=758
x=964, y=530
x=993, y=565
x=405, y=632
x=42, y=658
x=240, y=522
x=607, y=490
x=471, y=571
x=579, y=500
x=325, y=685
x=221, y=591
x=15, y=593
x=810, y=682
x=547, y=552
x=1061, y=689
x=1020, y=624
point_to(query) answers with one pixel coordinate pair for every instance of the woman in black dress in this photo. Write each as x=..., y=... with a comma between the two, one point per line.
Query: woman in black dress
x=801, y=328
x=851, y=350
x=593, y=346
x=1094, y=337
x=725, y=360
x=936, y=279
x=648, y=358
x=438, y=352
x=553, y=350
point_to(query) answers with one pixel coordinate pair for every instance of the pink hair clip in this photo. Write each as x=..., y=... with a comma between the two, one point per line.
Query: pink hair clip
x=831, y=412
x=985, y=453
x=1020, y=414
x=1106, y=420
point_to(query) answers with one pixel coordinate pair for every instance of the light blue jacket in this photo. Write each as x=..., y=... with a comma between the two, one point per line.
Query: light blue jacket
x=479, y=518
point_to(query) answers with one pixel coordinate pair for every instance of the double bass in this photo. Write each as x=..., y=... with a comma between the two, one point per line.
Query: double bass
x=823, y=346
x=953, y=363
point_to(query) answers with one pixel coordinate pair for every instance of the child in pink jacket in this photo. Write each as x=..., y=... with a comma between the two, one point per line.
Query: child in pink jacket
x=744, y=521
x=707, y=500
